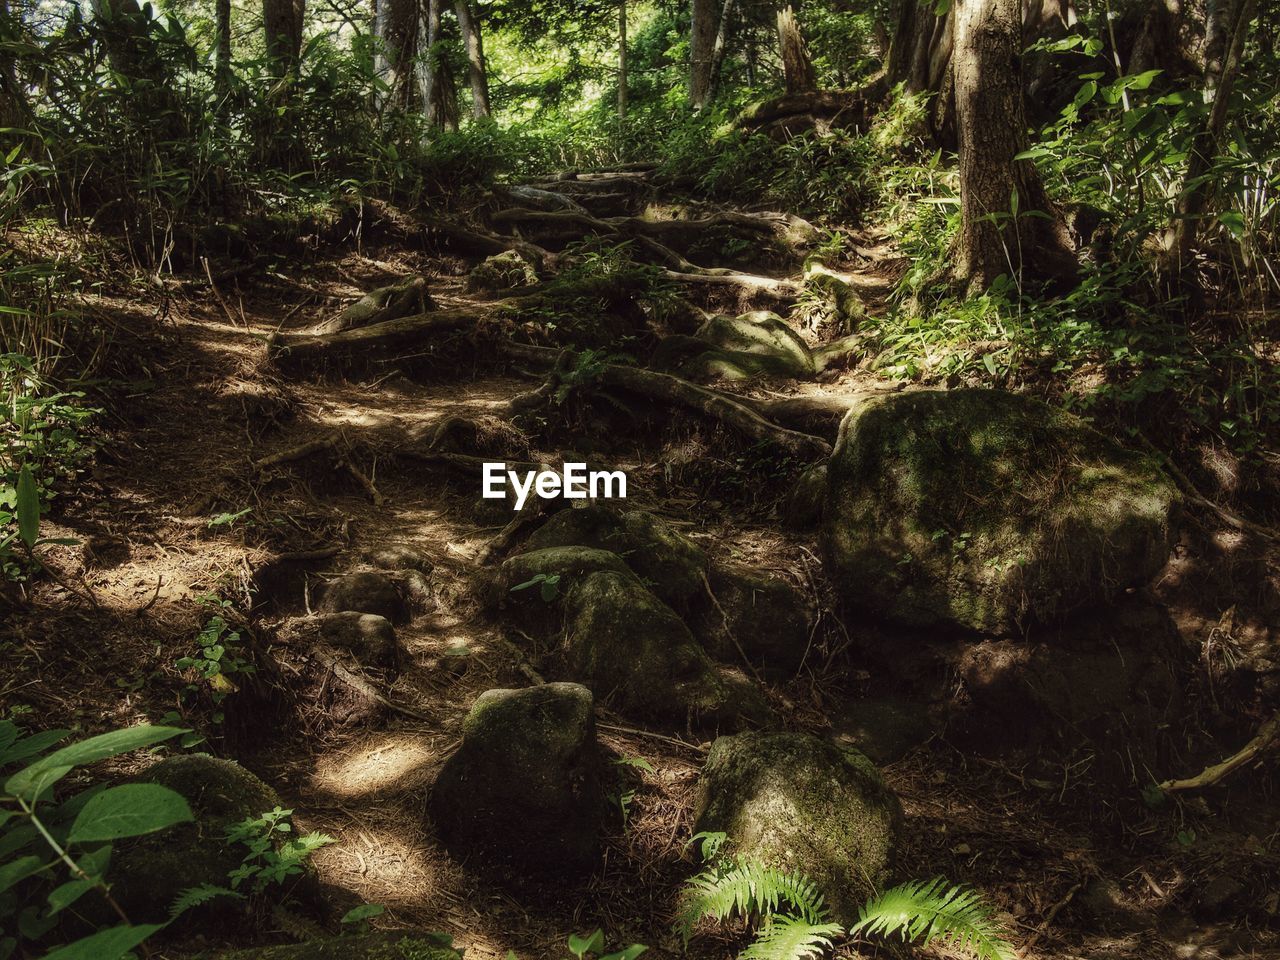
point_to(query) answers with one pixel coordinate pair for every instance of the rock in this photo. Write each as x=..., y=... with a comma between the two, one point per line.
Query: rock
x=802, y=507
x=765, y=616
x=398, y=556
x=524, y=786
x=883, y=728
x=752, y=344
x=502, y=271
x=805, y=805
x=987, y=510
x=634, y=651
x=672, y=565
x=562, y=566
x=395, y=945
x=365, y=592
x=1081, y=682
x=148, y=873
x=369, y=637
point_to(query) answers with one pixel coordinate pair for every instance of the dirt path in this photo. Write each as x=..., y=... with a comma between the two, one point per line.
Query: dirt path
x=184, y=460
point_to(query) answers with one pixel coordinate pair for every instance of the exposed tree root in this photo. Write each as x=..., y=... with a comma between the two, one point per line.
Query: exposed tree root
x=475, y=240
x=386, y=303
x=301, y=347
x=1267, y=737
x=838, y=108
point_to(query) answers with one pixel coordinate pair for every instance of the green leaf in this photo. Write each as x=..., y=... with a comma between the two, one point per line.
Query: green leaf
x=58, y=764
x=68, y=893
x=28, y=507
x=630, y=953
x=129, y=811
x=592, y=943
x=30, y=746
x=109, y=944
x=363, y=912
x=1233, y=220
x=19, y=870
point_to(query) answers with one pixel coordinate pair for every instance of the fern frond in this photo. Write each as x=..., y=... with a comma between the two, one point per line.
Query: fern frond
x=744, y=887
x=197, y=896
x=792, y=938
x=931, y=911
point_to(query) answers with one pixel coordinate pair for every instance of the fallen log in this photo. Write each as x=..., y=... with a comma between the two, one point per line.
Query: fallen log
x=849, y=107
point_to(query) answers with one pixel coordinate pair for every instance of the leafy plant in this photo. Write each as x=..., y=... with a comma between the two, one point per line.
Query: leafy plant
x=218, y=660
x=548, y=585
x=583, y=945
x=55, y=850
x=791, y=921
x=268, y=861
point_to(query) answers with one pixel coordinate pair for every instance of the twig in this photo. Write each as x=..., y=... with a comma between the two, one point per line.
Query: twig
x=204, y=261
x=632, y=731
x=358, y=682
x=1268, y=736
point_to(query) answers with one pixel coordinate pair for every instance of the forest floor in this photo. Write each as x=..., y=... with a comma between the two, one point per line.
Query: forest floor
x=1076, y=868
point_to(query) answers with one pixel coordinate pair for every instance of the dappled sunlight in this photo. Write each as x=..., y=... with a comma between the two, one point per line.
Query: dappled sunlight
x=381, y=765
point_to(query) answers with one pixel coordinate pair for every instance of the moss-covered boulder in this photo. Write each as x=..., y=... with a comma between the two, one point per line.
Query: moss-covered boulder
x=987, y=510
x=502, y=271
x=147, y=874
x=398, y=945
x=524, y=787
x=365, y=592
x=533, y=584
x=371, y=639
x=758, y=615
x=805, y=805
x=749, y=345
x=634, y=651
x=672, y=565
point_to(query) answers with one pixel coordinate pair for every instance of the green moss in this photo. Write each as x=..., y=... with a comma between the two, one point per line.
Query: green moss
x=671, y=564
x=987, y=510
x=373, y=946
x=632, y=649
x=806, y=806
x=754, y=343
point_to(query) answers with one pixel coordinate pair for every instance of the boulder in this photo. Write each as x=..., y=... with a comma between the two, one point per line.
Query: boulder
x=634, y=651
x=804, y=805
x=365, y=592
x=148, y=873
x=502, y=271
x=395, y=945
x=750, y=345
x=371, y=639
x=802, y=506
x=764, y=617
x=524, y=787
x=988, y=511
x=670, y=564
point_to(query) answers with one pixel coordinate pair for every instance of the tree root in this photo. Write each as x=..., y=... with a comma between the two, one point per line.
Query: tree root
x=385, y=303
x=301, y=347
x=1267, y=737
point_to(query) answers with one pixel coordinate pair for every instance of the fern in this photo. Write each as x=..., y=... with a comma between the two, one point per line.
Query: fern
x=930, y=911
x=745, y=887
x=792, y=938
x=198, y=896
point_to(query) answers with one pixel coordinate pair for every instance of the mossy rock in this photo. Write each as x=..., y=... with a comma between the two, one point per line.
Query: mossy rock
x=754, y=343
x=764, y=617
x=371, y=639
x=523, y=787
x=365, y=592
x=502, y=271
x=672, y=565
x=147, y=874
x=634, y=651
x=399, y=945
x=988, y=511
x=539, y=611
x=806, y=806
x=802, y=508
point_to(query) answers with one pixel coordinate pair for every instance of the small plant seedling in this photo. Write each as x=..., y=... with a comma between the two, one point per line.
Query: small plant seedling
x=548, y=586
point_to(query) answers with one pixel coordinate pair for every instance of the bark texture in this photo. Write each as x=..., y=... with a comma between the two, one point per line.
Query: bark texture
x=995, y=237
x=282, y=20
x=797, y=67
x=702, y=39
x=622, y=59
x=396, y=26
x=477, y=71
x=439, y=95
x=222, y=44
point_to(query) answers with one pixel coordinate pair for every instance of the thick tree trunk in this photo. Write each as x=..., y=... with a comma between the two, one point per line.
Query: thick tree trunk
x=222, y=46
x=395, y=26
x=919, y=61
x=622, y=59
x=998, y=193
x=1195, y=193
x=13, y=108
x=702, y=38
x=477, y=72
x=720, y=48
x=439, y=95
x=797, y=67
x=282, y=20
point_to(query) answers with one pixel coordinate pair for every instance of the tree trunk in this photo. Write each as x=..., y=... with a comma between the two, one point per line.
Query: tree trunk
x=721, y=46
x=439, y=96
x=282, y=20
x=702, y=38
x=997, y=192
x=477, y=72
x=124, y=29
x=919, y=61
x=797, y=67
x=222, y=42
x=622, y=59
x=1195, y=194
x=13, y=107
x=395, y=27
